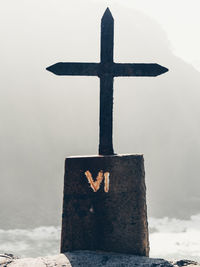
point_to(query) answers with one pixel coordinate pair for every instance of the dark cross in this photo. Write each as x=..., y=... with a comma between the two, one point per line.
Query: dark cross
x=106, y=70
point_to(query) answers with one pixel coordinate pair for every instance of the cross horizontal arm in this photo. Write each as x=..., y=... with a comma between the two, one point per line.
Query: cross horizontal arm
x=82, y=69
x=138, y=69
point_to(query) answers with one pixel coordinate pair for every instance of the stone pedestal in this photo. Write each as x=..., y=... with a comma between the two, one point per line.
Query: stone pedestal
x=104, y=206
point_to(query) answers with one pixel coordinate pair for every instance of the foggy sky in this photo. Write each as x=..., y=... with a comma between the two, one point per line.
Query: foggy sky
x=45, y=118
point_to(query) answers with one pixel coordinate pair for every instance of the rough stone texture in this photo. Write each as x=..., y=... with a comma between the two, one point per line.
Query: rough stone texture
x=91, y=259
x=114, y=221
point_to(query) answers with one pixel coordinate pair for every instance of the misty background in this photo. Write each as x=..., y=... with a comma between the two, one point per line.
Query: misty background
x=45, y=118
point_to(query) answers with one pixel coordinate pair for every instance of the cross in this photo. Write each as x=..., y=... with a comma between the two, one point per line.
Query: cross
x=106, y=70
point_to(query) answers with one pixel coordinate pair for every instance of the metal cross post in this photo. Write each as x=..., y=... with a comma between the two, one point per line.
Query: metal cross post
x=106, y=70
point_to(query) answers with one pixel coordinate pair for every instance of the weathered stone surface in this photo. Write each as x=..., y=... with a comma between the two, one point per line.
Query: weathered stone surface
x=91, y=259
x=114, y=221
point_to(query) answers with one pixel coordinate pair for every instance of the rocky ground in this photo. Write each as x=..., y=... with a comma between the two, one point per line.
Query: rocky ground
x=90, y=259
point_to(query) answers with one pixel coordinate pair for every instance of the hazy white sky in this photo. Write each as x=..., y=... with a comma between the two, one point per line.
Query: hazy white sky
x=41, y=114
x=179, y=18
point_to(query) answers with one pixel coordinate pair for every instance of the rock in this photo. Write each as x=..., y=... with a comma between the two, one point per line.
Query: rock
x=6, y=259
x=185, y=263
x=91, y=259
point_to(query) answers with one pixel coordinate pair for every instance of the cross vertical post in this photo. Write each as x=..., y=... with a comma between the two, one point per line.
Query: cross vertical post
x=106, y=85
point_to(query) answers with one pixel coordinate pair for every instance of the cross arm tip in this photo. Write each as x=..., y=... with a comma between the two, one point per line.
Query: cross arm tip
x=162, y=69
x=108, y=10
x=55, y=68
x=50, y=68
x=107, y=14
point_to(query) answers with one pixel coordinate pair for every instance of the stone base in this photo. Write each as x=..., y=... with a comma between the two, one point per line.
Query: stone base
x=107, y=216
